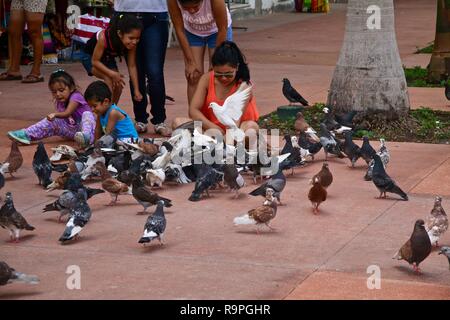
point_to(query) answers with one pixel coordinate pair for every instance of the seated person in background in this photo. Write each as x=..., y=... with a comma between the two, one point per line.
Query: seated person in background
x=110, y=118
x=229, y=72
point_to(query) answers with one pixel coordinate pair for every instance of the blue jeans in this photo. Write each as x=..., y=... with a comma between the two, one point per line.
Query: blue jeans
x=150, y=57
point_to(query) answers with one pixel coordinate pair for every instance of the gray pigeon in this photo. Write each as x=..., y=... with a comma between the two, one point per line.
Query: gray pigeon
x=42, y=166
x=437, y=222
x=277, y=182
x=446, y=251
x=65, y=202
x=3, y=169
x=329, y=142
x=79, y=217
x=12, y=220
x=367, y=151
x=383, y=182
x=9, y=275
x=351, y=149
x=155, y=225
x=207, y=178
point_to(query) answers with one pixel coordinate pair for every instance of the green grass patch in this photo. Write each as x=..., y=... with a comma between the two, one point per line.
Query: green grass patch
x=420, y=125
x=418, y=77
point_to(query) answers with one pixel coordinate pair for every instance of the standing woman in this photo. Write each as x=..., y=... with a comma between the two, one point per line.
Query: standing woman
x=31, y=13
x=199, y=24
x=150, y=57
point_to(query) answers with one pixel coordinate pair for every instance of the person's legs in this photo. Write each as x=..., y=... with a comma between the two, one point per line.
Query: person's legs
x=34, y=22
x=250, y=129
x=199, y=54
x=45, y=128
x=154, y=40
x=115, y=90
x=88, y=123
x=15, y=30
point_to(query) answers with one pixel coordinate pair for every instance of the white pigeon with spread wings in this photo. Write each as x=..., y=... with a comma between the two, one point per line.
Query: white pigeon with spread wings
x=232, y=109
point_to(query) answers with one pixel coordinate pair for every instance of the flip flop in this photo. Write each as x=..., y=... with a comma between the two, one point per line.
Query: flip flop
x=5, y=76
x=32, y=78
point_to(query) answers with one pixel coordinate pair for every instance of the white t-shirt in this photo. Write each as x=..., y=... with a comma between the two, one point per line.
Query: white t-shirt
x=140, y=5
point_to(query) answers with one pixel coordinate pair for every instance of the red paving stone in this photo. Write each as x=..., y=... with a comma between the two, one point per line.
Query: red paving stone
x=205, y=256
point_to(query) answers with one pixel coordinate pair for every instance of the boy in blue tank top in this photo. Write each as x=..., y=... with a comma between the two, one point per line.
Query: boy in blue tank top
x=110, y=118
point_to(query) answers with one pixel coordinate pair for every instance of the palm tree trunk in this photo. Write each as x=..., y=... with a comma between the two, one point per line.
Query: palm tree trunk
x=439, y=67
x=369, y=73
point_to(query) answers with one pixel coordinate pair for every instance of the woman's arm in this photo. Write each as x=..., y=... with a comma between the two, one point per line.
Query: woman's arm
x=113, y=117
x=219, y=10
x=191, y=69
x=197, y=103
x=132, y=70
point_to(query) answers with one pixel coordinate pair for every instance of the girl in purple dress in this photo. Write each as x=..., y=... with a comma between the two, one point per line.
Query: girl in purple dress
x=73, y=118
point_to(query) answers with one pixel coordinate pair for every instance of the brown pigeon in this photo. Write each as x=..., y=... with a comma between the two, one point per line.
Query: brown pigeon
x=59, y=182
x=317, y=194
x=260, y=215
x=9, y=275
x=148, y=148
x=145, y=196
x=301, y=126
x=15, y=158
x=417, y=248
x=113, y=186
x=324, y=175
x=437, y=222
x=12, y=220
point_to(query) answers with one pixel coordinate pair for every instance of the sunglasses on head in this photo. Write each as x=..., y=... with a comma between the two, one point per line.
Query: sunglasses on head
x=228, y=75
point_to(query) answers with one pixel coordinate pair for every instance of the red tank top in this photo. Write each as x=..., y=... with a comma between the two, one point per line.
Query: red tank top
x=250, y=112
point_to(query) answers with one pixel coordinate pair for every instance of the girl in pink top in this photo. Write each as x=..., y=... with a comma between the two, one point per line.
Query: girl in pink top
x=199, y=24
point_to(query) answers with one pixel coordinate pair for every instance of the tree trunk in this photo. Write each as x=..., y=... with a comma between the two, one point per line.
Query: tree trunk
x=439, y=67
x=369, y=73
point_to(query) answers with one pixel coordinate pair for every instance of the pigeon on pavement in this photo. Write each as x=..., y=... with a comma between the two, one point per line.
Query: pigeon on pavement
x=80, y=215
x=233, y=178
x=437, y=221
x=260, y=215
x=383, y=182
x=65, y=202
x=291, y=94
x=383, y=152
x=113, y=186
x=277, y=182
x=417, y=248
x=324, y=175
x=207, y=178
x=367, y=151
x=42, y=166
x=317, y=194
x=15, y=159
x=155, y=225
x=301, y=126
x=329, y=142
x=351, y=149
x=145, y=196
x=9, y=275
x=12, y=220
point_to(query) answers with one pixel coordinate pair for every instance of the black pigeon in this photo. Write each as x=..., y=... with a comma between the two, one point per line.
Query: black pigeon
x=9, y=275
x=74, y=184
x=351, y=149
x=305, y=143
x=12, y=220
x=42, y=166
x=155, y=225
x=383, y=182
x=207, y=177
x=367, y=151
x=233, y=178
x=121, y=162
x=60, y=167
x=417, y=248
x=346, y=119
x=80, y=215
x=291, y=94
x=145, y=196
x=277, y=182
x=295, y=158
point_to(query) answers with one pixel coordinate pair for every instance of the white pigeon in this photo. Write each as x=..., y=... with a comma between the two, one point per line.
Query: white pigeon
x=177, y=172
x=232, y=109
x=4, y=167
x=202, y=140
x=162, y=161
x=155, y=177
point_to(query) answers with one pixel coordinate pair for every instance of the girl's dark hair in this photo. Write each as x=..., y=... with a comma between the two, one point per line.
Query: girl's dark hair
x=124, y=23
x=228, y=53
x=63, y=77
x=97, y=91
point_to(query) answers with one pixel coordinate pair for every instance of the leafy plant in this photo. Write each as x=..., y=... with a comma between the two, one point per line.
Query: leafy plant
x=418, y=77
x=427, y=49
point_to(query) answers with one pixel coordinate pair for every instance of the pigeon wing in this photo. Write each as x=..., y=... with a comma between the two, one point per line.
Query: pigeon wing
x=235, y=103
